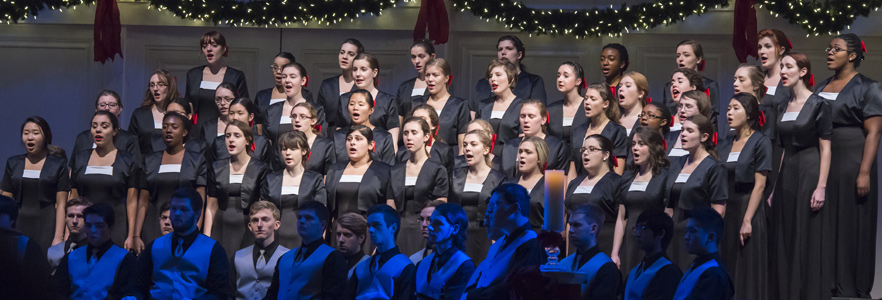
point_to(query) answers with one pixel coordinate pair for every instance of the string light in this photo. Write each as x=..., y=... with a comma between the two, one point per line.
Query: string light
x=821, y=17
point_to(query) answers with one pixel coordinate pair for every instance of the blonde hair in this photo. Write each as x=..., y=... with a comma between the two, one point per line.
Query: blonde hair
x=263, y=204
x=642, y=85
x=541, y=150
x=612, y=110
x=485, y=140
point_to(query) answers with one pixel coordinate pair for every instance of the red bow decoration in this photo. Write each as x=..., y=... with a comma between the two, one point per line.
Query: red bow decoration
x=544, y=167
x=432, y=16
x=714, y=138
x=701, y=65
x=253, y=147
x=306, y=83
x=318, y=127
x=649, y=100
x=863, y=47
x=449, y=80
x=789, y=44
x=707, y=92
x=308, y=155
x=107, y=31
x=665, y=144
x=744, y=37
x=492, y=143
x=547, y=118
x=671, y=123
x=251, y=123
x=430, y=141
x=812, y=80
x=765, y=90
x=615, y=162
x=374, y=147
x=194, y=118
x=584, y=84
x=612, y=90
x=762, y=119
x=376, y=81
x=375, y=103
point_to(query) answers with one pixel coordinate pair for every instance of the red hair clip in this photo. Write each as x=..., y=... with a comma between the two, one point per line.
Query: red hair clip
x=612, y=90
x=318, y=127
x=812, y=80
x=584, y=84
x=436, y=130
x=765, y=90
x=374, y=147
x=375, y=103
x=665, y=144
x=762, y=119
x=615, y=162
x=671, y=123
x=789, y=44
x=701, y=66
x=194, y=118
x=450, y=80
x=547, y=117
x=649, y=100
x=707, y=92
x=714, y=138
x=253, y=147
x=308, y=155
x=492, y=143
x=544, y=167
x=251, y=123
x=430, y=141
x=306, y=84
x=863, y=47
x=376, y=81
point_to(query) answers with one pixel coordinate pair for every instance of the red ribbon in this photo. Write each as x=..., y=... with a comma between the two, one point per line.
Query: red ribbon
x=701, y=65
x=762, y=119
x=430, y=141
x=671, y=123
x=707, y=92
x=194, y=118
x=376, y=81
x=374, y=147
x=765, y=90
x=547, y=118
x=863, y=47
x=308, y=155
x=714, y=138
x=744, y=37
x=449, y=80
x=318, y=127
x=253, y=147
x=789, y=44
x=584, y=84
x=251, y=123
x=544, y=167
x=615, y=162
x=306, y=83
x=649, y=100
x=432, y=16
x=492, y=143
x=107, y=31
x=612, y=90
x=812, y=80
x=665, y=144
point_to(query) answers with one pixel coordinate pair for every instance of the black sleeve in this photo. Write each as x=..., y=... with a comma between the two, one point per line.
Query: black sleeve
x=713, y=284
x=61, y=280
x=127, y=269
x=606, y=284
x=456, y=285
x=664, y=285
x=334, y=273
x=217, y=283
x=538, y=90
x=242, y=86
x=351, y=287
x=273, y=292
x=405, y=285
x=718, y=183
x=143, y=277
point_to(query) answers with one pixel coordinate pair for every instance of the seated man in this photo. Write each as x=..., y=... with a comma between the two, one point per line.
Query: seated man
x=388, y=274
x=253, y=266
x=706, y=279
x=23, y=268
x=425, y=214
x=655, y=278
x=516, y=247
x=185, y=264
x=77, y=237
x=445, y=273
x=604, y=279
x=101, y=269
x=165, y=225
x=313, y=270
x=351, y=234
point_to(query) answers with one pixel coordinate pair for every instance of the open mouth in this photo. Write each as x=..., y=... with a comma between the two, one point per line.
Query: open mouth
x=683, y=141
x=98, y=138
x=729, y=120
x=231, y=148
x=737, y=90
x=675, y=93
x=783, y=79
x=209, y=56
x=352, y=150
x=359, y=81
x=431, y=86
x=344, y=63
x=681, y=65
x=289, y=160
x=764, y=59
x=494, y=86
x=169, y=138
x=297, y=126
x=636, y=155
x=605, y=71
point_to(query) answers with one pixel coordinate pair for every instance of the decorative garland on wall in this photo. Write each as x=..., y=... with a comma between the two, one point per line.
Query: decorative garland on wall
x=821, y=17
x=12, y=11
x=273, y=12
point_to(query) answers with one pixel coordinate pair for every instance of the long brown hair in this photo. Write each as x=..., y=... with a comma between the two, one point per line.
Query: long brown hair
x=172, y=86
x=658, y=159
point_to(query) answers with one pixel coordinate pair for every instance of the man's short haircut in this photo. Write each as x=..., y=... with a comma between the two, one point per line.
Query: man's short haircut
x=591, y=212
x=390, y=216
x=320, y=210
x=657, y=221
x=513, y=193
x=708, y=219
x=77, y=202
x=433, y=203
x=103, y=210
x=165, y=206
x=353, y=222
x=192, y=195
x=263, y=204
x=9, y=208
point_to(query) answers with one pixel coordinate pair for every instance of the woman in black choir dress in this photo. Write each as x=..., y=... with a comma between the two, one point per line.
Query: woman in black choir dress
x=599, y=185
x=385, y=110
x=243, y=110
x=335, y=86
x=748, y=155
x=494, y=161
x=749, y=79
x=321, y=149
x=632, y=94
x=233, y=184
x=690, y=55
x=146, y=122
x=266, y=97
x=361, y=108
x=208, y=130
x=642, y=188
x=439, y=150
x=358, y=182
x=614, y=62
x=453, y=112
x=532, y=158
x=772, y=45
x=603, y=118
x=167, y=170
x=531, y=86
x=278, y=116
x=698, y=179
x=421, y=52
x=534, y=119
x=502, y=110
x=569, y=112
x=682, y=81
x=203, y=80
x=416, y=181
x=691, y=103
x=194, y=142
x=471, y=187
x=109, y=175
x=293, y=185
x=107, y=100
x=39, y=181
x=856, y=105
x=802, y=221
x=657, y=116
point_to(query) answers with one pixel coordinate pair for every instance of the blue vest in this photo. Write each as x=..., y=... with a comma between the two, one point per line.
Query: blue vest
x=590, y=268
x=636, y=285
x=434, y=288
x=352, y=270
x=691, y=277
x=498, y=262
x=382, y=284
x=93, y=283
x=303, y=279
x=22, y=246
x=252, y=283
x=175, y=278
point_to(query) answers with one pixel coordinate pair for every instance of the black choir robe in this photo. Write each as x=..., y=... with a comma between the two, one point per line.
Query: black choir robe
x=457, y=185
x=203, y=106
x=440, y=153
x=124, y=141
x=405, y=96
x=312, y=188
x=263, y=98
x=452, y=121
x=272, y=127
x=321, y=155
x=537, y=202
x=557, y=128
x=710, y=84
x=54, y=178
x=150, y=138
x=194, y=173
x=606, y=195
x=432, y=183
x=329, y=98
x=615, y=132
x=707, y=184
x=263, y=151
x=528, y=86
x=509, y=126
x=375, y=187
x=385, y=113
x=383, y=150
x=219, y=181
x=558, y=158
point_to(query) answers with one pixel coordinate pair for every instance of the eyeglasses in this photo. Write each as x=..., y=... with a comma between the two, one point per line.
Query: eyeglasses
x=162, y=85
x=224, y=100
x=638, y=228
x=834, y=49
x=651, y=116
x=300, y=117
x=589, y=149
x=275, y=68
x=108, y=105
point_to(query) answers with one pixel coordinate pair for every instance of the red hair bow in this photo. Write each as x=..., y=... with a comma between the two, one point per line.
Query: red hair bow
x=615, y=162
x=449, y=80
x=665, y=144
x=649, y=100
x=612, y=90
x=707, y=92
x=863, y=47
x=194, y=118
x=544, y=167
x=306, y=83
x=584, y=84
x=762, y=119
x=308, y=155
x=253, y=147
x=547, y=117
x=376, y=81
x=492, y=143
x=430, y=141
x=671, y=123
x=714, y=138
x=765, y=90
x=812, y=80
x=789, y=44
x=318, y=127
x=701, y=66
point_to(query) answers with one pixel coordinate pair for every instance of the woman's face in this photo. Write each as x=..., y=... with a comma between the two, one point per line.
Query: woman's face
x=528, y=158
x=293, y=156
x=414, y=137
x=236, y=142
x=769, y=54
x=238, y=112
x=32, y=137
x=439, y=229
x=736, y=115
x=742, y=83
x=173, y=132
x=838, y=59
x=686, y=57
x=278, y=63
x=690, y=137
x=102, y=130
x=611, y=63
x=594, y=104
x=532, y=120
x=302, y=120
x=651, y=117
x=629, y=94
x=639, y=151
x=474, y=150
x=423, y=114
x=364, y=75
x=359, y=109
x=499, y=81
x=790, y=72
x=158, y=88
x=357, y=146
x=347, y=54
x=436, y=81
x=222, y=98
x=419, y=57
x=679, y=85
x=567, y=80
x=506, y=49
x=593, y=156
x=175, y=107
x=686, y=108
x=213, y=52
x=292, y=80
x=110, y=104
